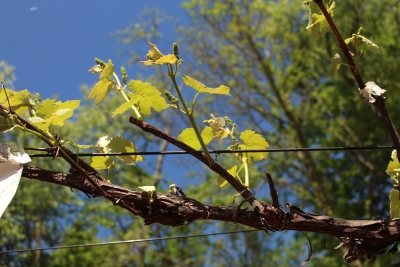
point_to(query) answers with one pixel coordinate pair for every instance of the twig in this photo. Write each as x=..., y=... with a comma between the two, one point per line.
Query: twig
x=244, y=192
x=273, y=192
x=380, y=100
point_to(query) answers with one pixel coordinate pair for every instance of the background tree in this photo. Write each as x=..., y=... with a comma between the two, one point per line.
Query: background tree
x=261, y=50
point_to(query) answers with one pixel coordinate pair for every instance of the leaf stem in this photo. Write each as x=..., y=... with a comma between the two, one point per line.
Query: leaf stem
x=189, y=114
x=246, y=172
x=121, y=90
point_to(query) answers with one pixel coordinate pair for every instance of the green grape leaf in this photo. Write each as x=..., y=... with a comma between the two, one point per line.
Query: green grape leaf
x=394, y=203
x=370, y=45
x=168, y=59
x=219, y=129
x=120, y=144
x=317, y=24
x=252, y=140
x=393, y=169
x=19, y=101
x=104, y=85
x=335, y=64
x=201, y=88
x=148, y=188
x=221, y=181
x=188, y=136
x=62, y=112
x=154, y=53
x=101, y=163
x=107, y=71
x=145, y=96
x=49, y=112
x=348, y=40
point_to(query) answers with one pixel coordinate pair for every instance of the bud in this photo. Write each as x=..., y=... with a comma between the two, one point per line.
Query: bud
x=96, y=69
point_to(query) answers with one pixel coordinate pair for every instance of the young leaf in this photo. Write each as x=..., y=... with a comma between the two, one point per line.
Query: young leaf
x=188, y=136
x=154, y=53
x=317, y=22
x=218, y=126
x=49, y=112
x=393, y=169
x=221, y=181
x=168, y=59
x=101, y=163
x=335, y=64
x=394, y=203
x=62, y=111
x=120, y=144
x=370, y=45
x=145, y=96
x=104, y=85
x=252, y=140
x=19, y=101
x=201, y=88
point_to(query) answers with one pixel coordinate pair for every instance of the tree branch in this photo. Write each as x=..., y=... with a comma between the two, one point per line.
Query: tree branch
x=363, y=237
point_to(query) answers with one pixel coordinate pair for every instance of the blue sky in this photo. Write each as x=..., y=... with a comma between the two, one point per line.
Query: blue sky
x=52, y=44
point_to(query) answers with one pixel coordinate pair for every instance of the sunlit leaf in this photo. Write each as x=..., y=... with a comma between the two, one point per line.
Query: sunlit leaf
x=49, y=112
x=101, y=163
x=120, y=144
x=370, y=45
x=253, y=141
x=104, y=85
x=335, y=64
x=201, y=88
x=221, y=181
x=394, y=203
x=145, y=96
x=19, y=101
x=168, y=59
x=218, y=126
x=317, y=24
x=188, y=136
x=154, y=53
x=62, y=112
x=393, y=170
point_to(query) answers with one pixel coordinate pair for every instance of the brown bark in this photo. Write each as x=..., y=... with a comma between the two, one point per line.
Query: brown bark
x=363, y=237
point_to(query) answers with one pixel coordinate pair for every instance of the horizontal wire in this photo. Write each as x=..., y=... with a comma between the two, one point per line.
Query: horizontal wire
x=220, y=151
x=125, y=241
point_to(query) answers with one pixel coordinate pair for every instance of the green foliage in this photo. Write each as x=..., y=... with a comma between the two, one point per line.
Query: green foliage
x=232, y=171
x=280, y=84
x=120, y=144
x=357, y=38
x=19, y=101
x=394, y=203
x=145, y=96
x=393, y=170
x=52, y=113
x=104, y=85
x=335, y=64
x=188, y=136
x=101, y=163
x=253, y=141
x=317, y=24
x=201, y=88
